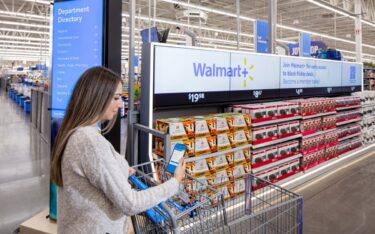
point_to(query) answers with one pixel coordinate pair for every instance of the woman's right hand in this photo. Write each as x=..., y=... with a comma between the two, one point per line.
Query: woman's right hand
x=179, y=173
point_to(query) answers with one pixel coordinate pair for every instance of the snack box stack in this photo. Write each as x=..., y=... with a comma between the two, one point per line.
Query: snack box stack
x=277, y=173
x=268, y=111
x=313, y=106
x=348, y=115
x=209, y=134
x=348, y=101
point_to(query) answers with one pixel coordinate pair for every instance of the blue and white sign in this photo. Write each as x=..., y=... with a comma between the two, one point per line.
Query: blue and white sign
x=305, y=44
x=261, y=40
x=77, y=46
x=207, y=76
x=352, y=74
x=256, y=73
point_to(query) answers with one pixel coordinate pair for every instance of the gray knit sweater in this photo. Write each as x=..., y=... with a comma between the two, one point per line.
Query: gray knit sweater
x=96, y=196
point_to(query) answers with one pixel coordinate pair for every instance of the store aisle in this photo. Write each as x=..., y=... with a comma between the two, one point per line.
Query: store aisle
x=343, y=202
x=24, y=167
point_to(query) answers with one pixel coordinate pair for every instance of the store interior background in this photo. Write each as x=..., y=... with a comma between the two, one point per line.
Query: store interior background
x=25, y=42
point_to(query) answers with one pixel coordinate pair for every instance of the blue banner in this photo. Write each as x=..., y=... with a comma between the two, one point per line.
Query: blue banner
x=314, y=47
x=305, y=44
x=77, y=46
x=261, y=32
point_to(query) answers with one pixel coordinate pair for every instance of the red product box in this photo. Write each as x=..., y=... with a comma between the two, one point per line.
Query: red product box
x=264, y=134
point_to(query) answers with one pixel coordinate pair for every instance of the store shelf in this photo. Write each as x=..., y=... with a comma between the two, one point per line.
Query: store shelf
x=319, y=115
x=348, y=121
x=273, y=164
x=368, y=105
x=278, y=141
x=323, y=168
x=275, y=121
x=196, y=158
x=348, y=107
x=350, y=136
x=318, y=133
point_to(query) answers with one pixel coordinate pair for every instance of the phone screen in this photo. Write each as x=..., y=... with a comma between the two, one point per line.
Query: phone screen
x=178, y=153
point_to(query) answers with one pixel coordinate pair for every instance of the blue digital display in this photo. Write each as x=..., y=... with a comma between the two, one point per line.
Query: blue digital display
x=77, y=46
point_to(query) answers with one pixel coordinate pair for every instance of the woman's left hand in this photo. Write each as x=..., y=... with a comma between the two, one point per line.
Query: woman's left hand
x=131, y=171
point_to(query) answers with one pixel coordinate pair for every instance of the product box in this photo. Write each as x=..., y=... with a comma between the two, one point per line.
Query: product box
x=259, y=156
x=239, y=157
x=202, y=128
x=178, y=128
x=239, y=137
x=271, y=110
x=221, y=124
x=284, y=149
x=289, y=167
x=238, y=171
x=283, y=130
x=271, y=152
x=223, y=189
x=328, y=122
x=264, y=134
x=198, y=168
x=221, y=162
x=211, y=164
x=223, y=142
x=222, y=176
x=331, y=152
x=294, y=126
x=189, y=143
x=237, y=121
x=257, y=112
x=205, y=145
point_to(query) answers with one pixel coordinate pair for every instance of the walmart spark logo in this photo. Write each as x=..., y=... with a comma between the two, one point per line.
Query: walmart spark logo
x=249, y=76
x=206, y=70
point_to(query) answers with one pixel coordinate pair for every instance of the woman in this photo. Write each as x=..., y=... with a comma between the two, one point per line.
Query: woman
x=94, y=194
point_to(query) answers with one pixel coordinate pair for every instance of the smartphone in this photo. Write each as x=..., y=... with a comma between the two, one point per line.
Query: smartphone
x=178, y=153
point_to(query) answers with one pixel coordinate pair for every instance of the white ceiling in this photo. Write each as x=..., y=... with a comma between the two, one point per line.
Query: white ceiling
x=24, y=24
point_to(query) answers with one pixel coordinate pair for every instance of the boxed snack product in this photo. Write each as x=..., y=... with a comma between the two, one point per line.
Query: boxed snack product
x=271, y=110
x=221, y=124
x=238, y=171
x=223, y=142
x=240, y=137
x=331, y=138
x=271, y=152
x=259, y=156
x=178, y=128
x=294, y=126
x=289, y=167
x=331, y=151
x=221, y=162
x=189, y=143
x=257, y=112
x=237, y=121
x=222, y=176
x=239, y=157
x=223, y=189
x=328, y=122
x=264, y=134
x=283, y=130
x=284, y=149
x=198, y=168
x=205, y=145
x=202, y=128
x=311, y=125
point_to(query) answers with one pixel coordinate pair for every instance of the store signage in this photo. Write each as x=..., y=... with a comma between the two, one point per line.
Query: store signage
x=261, y=40
x=305, y=44
x=184, y=75
x=314, y=48
x=77, y=46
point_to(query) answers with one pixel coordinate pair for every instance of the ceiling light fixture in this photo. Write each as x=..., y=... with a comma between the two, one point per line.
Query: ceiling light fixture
x=23, y=31
x=24, y=24
x=23, y=14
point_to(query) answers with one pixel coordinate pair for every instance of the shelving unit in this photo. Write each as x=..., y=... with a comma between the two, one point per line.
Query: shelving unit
x=278, y=141
x=275, y=163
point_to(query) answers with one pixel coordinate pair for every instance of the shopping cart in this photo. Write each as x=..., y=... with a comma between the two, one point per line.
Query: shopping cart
x=197, y=208
x=254, y=205
x=245, y=204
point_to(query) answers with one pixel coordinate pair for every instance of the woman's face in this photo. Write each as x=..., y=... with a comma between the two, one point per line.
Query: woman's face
x=115, y=104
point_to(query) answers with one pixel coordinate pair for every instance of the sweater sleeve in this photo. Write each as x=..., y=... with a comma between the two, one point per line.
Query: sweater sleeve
x=103, y=172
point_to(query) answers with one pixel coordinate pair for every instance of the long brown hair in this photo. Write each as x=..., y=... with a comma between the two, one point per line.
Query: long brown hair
x=91, y=97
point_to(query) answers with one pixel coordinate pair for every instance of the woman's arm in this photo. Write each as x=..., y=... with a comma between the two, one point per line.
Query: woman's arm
x=102, y=170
